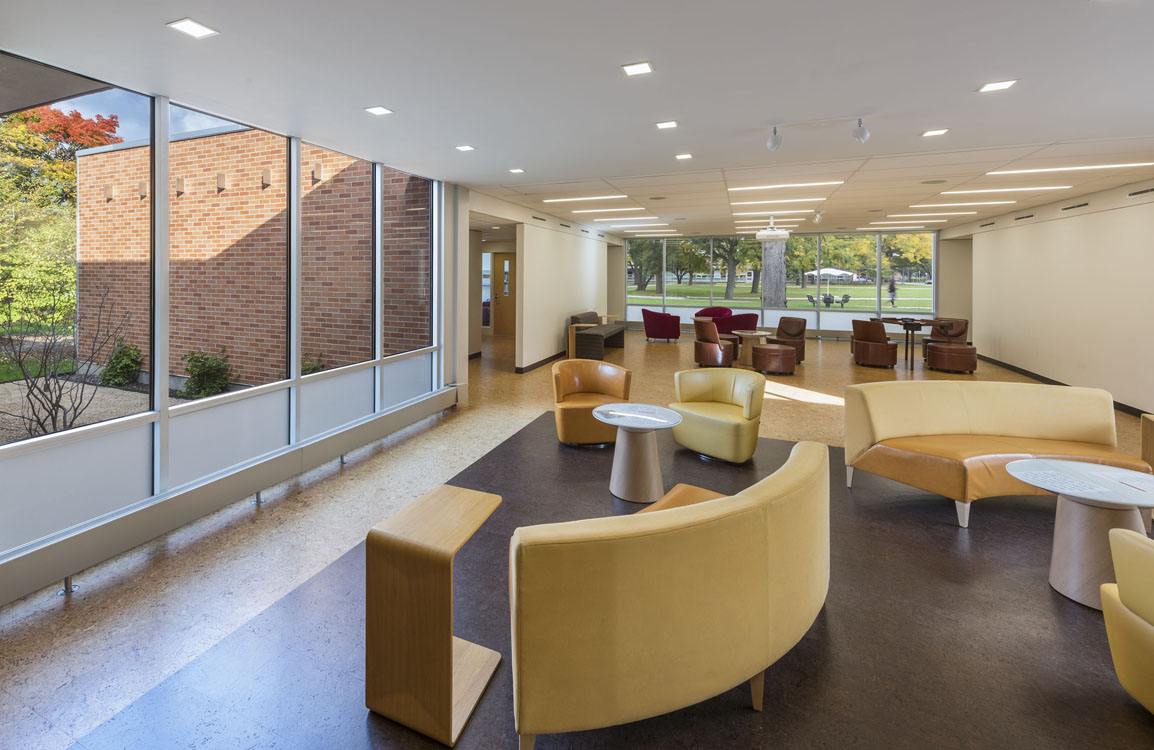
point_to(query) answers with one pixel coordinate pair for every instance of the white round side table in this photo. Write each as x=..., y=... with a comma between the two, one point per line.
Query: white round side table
x=636, y=473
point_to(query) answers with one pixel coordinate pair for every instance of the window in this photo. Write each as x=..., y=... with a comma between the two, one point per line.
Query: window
x=406, y=262
x=736, y=272
x=687, y=278
x=643, y=272
x=336, y=259
x=906, y=272
x=848, y=265
x=75, y=255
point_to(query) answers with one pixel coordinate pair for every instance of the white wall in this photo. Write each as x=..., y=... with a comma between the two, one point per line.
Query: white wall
x=1069, y=299
x=475, y=249
x=955, y=279
x=558, y=275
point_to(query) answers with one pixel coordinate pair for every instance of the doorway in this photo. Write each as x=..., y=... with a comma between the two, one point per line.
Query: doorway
x=504, y=294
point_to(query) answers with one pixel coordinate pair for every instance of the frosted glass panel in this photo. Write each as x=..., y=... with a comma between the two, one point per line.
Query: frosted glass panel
x=206, y=441
x=842, y=321
x=406, y=379
x=332, y=402
x=53, y=489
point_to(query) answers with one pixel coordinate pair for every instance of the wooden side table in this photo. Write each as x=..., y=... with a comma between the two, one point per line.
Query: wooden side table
x=416, y=671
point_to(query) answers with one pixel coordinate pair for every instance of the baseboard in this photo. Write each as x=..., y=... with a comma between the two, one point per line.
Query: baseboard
x=535, y=365
x=475, y=355
x=1125, y=408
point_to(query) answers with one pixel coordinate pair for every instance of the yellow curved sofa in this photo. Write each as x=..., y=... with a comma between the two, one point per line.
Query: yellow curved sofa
x=623, y=618
x=1128, y=607
x=720, y=410
x=954, y=438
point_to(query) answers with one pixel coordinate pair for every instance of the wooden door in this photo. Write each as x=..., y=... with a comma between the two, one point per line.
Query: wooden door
x=503, y=293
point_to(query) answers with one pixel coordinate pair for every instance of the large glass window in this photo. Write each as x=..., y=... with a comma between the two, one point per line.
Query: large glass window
x=336, y=259
x=406, y=262
x=228, y=256
x=75, y=253
x=687, y=277
x=643, y=272
x=734, y=282
x=907, y=272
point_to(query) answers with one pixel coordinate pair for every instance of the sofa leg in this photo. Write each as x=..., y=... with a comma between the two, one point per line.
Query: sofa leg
x=963, y=514
x=526, y=741
x=757, y=687
x=849, y=476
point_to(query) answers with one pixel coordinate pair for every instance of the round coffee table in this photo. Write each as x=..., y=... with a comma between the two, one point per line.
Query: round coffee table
x=748, y=339
x=636, y=473
x=1092, y=499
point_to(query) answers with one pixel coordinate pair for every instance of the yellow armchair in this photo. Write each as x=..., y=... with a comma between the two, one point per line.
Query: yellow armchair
x=627, y=617
x=580, y=386
x=1128, y=607
x=720, y=410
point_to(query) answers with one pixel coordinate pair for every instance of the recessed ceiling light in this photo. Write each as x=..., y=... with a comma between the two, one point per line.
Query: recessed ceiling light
x=667, y=125
x=684, y=156
x=769, y=213
x=494, y=227
x=1074, y=169
x=517, y=170
x=783, y=200
x=464, y=148
x=629, y=218
x=630, y=226
x=911, y=221
x=882, y=229
x=605, y=210
x=787, y=185
x=193, y=28
x=928, y=133
x=951, y=205
x=997, y=86
x=637, y=68
x=1005, y=190
x=586, y=198
x=378, y=110
x=938, y=213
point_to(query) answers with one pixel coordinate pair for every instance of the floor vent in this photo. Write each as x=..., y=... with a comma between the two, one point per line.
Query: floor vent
x=1071, y=208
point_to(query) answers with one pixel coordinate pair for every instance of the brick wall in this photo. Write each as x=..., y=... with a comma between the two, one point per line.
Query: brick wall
x=229, y=259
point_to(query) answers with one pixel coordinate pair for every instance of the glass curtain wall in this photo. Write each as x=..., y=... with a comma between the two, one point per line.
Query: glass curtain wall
x=830, y=279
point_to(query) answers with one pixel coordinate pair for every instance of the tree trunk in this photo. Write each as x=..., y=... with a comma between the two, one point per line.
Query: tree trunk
x=731, y=275
x=640, y=278
x=756, y=278
x=773, y=276
x=691, y=278
x=659, y=281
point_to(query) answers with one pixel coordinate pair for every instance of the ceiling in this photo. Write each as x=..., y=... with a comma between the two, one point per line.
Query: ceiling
x=538, y=86
x=24, y=85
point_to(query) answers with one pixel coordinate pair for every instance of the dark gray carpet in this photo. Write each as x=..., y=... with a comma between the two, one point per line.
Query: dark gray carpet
x=932, y=637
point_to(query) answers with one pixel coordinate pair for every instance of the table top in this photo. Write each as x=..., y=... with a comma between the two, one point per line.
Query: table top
x=745, y=332
x=1087, y=483
x=637, y=416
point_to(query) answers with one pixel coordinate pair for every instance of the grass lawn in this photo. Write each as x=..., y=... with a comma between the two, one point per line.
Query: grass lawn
x=10, y=372
x=915, y=297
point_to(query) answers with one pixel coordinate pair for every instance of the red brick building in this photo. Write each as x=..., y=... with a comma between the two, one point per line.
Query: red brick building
x=229, y=251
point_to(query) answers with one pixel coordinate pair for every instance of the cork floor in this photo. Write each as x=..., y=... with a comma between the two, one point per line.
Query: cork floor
x=68, y=664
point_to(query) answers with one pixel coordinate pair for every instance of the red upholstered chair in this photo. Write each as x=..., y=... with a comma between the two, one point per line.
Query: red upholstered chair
x=708, y=348
x=871, y=347
x=731, y=323
x=790, y=332
x=713, y=312
x=659, y=325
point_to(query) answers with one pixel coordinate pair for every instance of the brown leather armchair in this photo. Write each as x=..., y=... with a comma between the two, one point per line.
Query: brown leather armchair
x=870, y=345
x=708, y=348
x=580, y=386
x=947, y=334
x=790, y=332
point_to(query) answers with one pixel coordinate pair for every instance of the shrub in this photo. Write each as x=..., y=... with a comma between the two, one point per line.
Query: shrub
x=207, y=374
x=309, y=364
x=123, y=366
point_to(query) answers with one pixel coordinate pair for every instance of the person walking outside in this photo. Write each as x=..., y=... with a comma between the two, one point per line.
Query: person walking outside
x=893, y=290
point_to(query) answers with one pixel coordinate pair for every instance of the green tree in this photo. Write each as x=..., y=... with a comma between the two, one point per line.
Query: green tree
x=732, y=251
x=645, y=261
x=688, y=258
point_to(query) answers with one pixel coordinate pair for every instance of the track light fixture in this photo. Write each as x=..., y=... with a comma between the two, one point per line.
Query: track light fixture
x=817, y=217
x=860, y=133
x=774, y=141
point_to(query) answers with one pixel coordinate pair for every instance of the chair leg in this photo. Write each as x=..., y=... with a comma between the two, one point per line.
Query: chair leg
x=526, y=741
x=849, y=476
x=757, y=687
x=963, y=514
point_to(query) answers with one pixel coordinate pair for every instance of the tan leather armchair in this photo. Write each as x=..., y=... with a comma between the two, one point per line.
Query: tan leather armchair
x=624, y=618
x=1128, y=607
x=580, y=386
x=790, y=332
x=720, y=411
x=708, y=348
x=870, y=346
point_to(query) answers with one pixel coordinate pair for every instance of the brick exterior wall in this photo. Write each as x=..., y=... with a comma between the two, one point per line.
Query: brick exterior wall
x=229, y=257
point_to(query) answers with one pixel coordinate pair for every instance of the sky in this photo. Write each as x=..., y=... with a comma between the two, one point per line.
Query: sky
x=132, y=110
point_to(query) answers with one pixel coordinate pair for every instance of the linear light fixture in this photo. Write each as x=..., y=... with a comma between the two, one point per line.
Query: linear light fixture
x=516, y=170
x=629, y=226
x=629, y=218
x=997, y=86
x=684, y=156
x=378, y=110
x=930, y=133
x=787, y=185
x=667, y=125
x=912, y=221
x=762, y=221
x=1074, y=169
x=772, y=213
x=952, y=205
x=194, y=29
x=586, y=198
x=882, y=229
x=464, y=148
x=937, y=213
x=783, y=200
x=1005, y=190
x=638, y=68
x=605, y=210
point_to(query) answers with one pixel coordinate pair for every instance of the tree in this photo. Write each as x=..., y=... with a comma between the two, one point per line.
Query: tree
x=688, y=257
x=38, y=152
x=645, y=262
x=773, y=293
x=731, y=250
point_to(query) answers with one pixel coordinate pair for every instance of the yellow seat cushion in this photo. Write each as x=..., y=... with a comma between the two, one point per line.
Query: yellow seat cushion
x=576, y=424
x=711, y=410
x=968, y=467
x=715, y=429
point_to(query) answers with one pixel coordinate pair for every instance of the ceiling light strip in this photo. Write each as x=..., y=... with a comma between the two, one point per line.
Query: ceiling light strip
x=1005, y=190
x=786, y=185
x=584, y=198
x=1075, y=169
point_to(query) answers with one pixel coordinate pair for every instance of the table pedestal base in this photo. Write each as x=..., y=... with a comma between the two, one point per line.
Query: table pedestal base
x=636, y=473
x=1080, y=561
